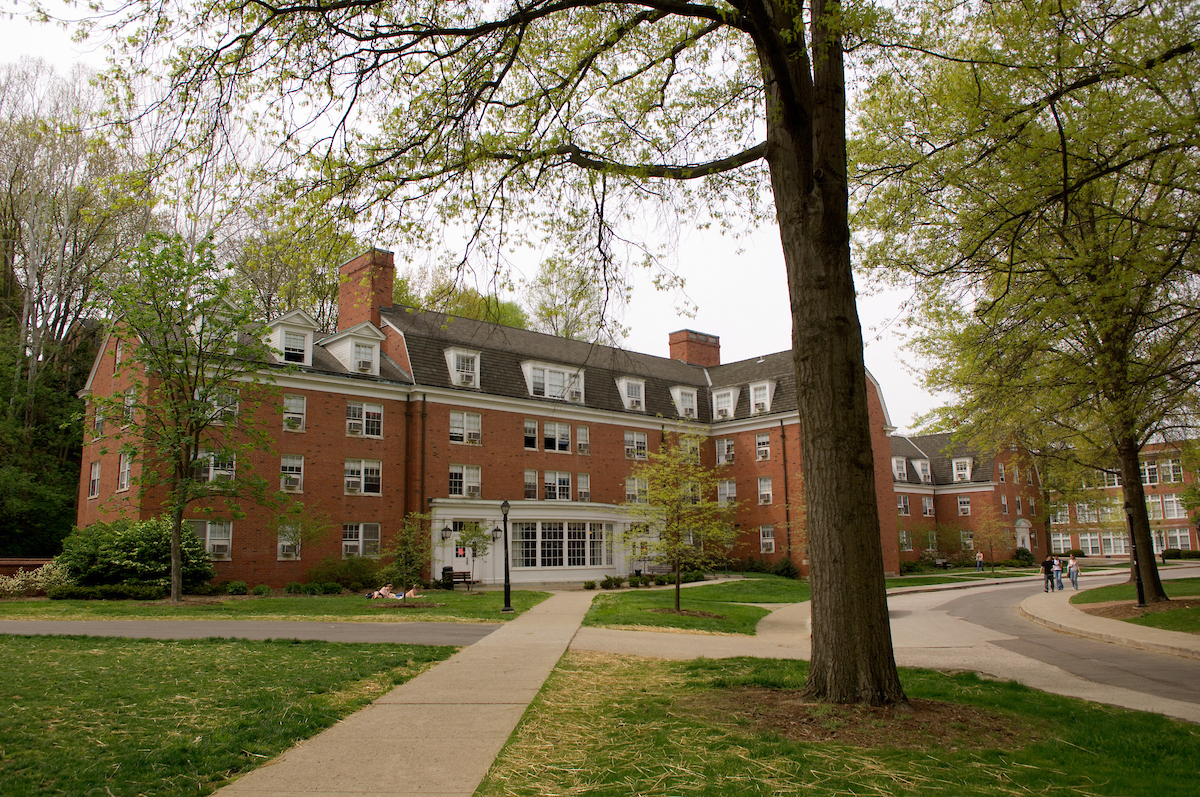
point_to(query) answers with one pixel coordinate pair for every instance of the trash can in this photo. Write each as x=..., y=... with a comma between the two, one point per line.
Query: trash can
x=637, y=573
x=448, y=577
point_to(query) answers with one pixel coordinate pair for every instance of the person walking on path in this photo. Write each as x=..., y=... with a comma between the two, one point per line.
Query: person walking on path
x=979, y=561
x=1073, y=571
x=1057, y=570
x=1048, y=574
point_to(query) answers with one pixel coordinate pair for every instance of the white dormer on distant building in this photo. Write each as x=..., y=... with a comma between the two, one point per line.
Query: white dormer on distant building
x=633, y=393
x=357, y=348
x=685, y=401
x=761, y=394
x=292, y=336
x=463, y=367
x=559, y=382
x=724, y=402
x=962, y=469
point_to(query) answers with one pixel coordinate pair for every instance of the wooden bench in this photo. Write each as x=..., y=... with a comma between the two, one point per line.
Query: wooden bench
x=942, y=563
x=462, y=577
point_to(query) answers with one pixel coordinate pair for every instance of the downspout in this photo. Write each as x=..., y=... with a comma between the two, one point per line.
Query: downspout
x=787, y=510
x=424, y=415
x=404, y=510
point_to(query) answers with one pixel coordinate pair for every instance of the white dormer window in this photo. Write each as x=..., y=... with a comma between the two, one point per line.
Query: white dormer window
x=724, y=404
x=923, y=469
x=633, y=393
x=900, y=469
x=295, y=347
x=357, y=349
x=292, y=336
x=364, y=358
x=685, y=401
x=761, y=394
x=962, y=469
x=463, y=366
x=553, y=381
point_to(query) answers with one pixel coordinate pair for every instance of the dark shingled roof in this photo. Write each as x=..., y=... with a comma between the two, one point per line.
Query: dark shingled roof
x=941, y=450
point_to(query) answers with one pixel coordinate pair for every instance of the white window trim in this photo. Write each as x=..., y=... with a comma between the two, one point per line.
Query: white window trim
x=734, y=394
x=467, y=420
x=357, y=484
x=291, y=481
x=678, y=393
x=965, y=471
x=632, y=450
x=623, y=383
x=766, y=538
x=226, y=543
x=293, y=419
x=124, y=468
x=770, y=390
x=462, y=378
x=306, y=350
x=900, y=469
x=923, y=469
x=359, y=541
x=357, y=427
x=94, y=480
x=472, y=481
x=927, y=509
x=762, y=451
x=573, y=381
x=964, y=506
x=902, y=505
x=765, y=496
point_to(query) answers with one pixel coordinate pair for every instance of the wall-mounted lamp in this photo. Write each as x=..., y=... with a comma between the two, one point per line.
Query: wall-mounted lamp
x=496, y=534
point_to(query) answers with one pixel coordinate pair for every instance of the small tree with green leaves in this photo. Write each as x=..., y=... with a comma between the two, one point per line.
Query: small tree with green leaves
x=678, y=521
x=198, y=361
x=478, y=539
x=297, y=524
x=411, y=551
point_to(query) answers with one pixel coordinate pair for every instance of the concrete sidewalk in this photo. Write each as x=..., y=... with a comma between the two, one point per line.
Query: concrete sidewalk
x=439, y=733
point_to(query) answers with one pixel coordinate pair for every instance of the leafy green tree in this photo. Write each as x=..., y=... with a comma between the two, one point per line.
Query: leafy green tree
x=1032, y=170
x=472, y=129
x=197, y=357
x=134, y=552
x=678, y=520
x=572, y=300
x=411, y=551
x=478, y=539
x=296, y=524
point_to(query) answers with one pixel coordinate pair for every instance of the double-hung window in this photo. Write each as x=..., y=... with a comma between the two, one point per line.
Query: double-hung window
x=216, y=536
x=295, y=345
x=900, y=469
x=927, y=505
x=1000, y=470
x=557, y=485
x=902, y=505
x=364, y=476
x=287, y=543
x=905, y=540
x=726, y=491
x=1086, y=513
x=1154, y=507
x=465, y=427
x=762, y=446
x=1016, y=475
x=962, y=470
x=687, y=403
x=635, y=445
x=364, y=419
x=1170, y=471
x=556, y=436
x=94, y=481
x=766, y=539
x=464, y=481
x=360, y=539
x=582, y=441
x=1173, y=508
x=926, y=475
x=291, y=473
x=637, y=491
x=967, y=540
x=1004, y=504
x=531, y=434
x=583, y=487
x=725, y=451
x=1019, y=509
x=213, y=467
x=364, y=358
x=764, y=490
x=723, y=404
x=1149, y=471
x=634, y=391
x=531, y=485
x=294, y=409
x=964, y=505
x=466, y=369
x=760, y=398
x=123, y=469
x=1111, y=478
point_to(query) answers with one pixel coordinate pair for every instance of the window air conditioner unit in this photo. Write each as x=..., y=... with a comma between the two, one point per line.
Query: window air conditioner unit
x=763, y=454
x=352, y=487
x=473, y=437
x=291, y=482
x=293, y=421
x=760, y=406
x=349, y=549
x=466, y=378
x=576, y=395
x=764, y=498
x=585, y=495
x=631, y=498
x=630, y=452
x=635, y=404
x=223, y=476
x=584, y=448
x=220, y=549
x=364, y=365
x=729, y=458
x=287, y=550
x=472, y=491
x=722, y=413
x=688, y=412
x=354, y=427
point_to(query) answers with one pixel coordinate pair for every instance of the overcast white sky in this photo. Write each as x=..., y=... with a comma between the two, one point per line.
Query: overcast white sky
x=741, y=296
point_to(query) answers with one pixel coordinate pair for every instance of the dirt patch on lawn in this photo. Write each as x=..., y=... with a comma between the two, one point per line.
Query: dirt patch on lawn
x=688, y=613
x=921, y=725
x=1129, y=610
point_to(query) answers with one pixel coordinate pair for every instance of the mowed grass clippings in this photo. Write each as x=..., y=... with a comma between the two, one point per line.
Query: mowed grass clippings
x=433, y=606
x=622, y=725
x=95, y=716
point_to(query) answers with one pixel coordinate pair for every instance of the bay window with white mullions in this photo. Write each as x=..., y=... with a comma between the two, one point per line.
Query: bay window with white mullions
x=294, y=410
x=726, y=491
x=1170, y=471
x=765, y=495
x=551, y=549
x=900, y=469
x=927, y=505
x=583, y=487
x=364, y=420
x=291, y=473
x=94, y=481
x=556, y=436
x=902, y=505
x=556, y=485
x=295, y=347
x=964, y=505
x=577, y=544
x=725, y=451
x=582, y=440
x=637, y=491
x=766, y=539
x=1149, y=472
x=464, y=481
x=635, y=445
x=360, y=539
x=123, y=469
x=363, y=476
x=905, y=540
x=762, y=446
x=216, y=536
x=466, y=427
x=531, y=485
x=531, y=435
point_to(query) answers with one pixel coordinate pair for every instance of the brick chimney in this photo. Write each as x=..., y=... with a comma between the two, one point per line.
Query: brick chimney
x=695, y=348
x=365, y=285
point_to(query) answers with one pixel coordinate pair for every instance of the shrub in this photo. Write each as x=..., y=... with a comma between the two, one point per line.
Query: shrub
x=662, y=579
x=612, y=582
x=132, y=551
x=635, y=581
x=1024, y=556
x=331, y=588
x=294, y=588
x=910, y=566
x=787, y=568
x=1189, y=554
x=262, y=591
x=237, y=587
x=311, y=588
x=589, y=585
x=1076, y=552
x=359, y=570
x=692, y=575
x=211, y=588
x=1172, y=553
x=111, y=592
x=756, y=566
x=24, y=583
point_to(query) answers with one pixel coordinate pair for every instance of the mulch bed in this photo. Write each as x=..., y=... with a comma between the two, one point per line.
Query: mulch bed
x=1128, y=610
x=689, y=613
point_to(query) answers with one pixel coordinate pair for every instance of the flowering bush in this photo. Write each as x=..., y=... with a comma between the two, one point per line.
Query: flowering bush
x=34, y=582
x=132, y=552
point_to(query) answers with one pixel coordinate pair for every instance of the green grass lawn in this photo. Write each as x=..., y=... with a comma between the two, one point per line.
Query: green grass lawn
x=439, y=605
x=1174, y=587
x=87, y=715
x=612, y=726
x=1186, y=620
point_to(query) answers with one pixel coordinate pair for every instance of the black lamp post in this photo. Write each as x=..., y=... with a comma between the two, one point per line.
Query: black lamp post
x=1137, y=569
x=504, y=507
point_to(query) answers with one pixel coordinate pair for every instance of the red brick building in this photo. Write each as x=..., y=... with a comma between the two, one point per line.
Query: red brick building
x=403, y=411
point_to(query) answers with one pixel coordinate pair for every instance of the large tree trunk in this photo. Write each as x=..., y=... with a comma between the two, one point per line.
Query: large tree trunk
x=852, y=659
x=1135, y=496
